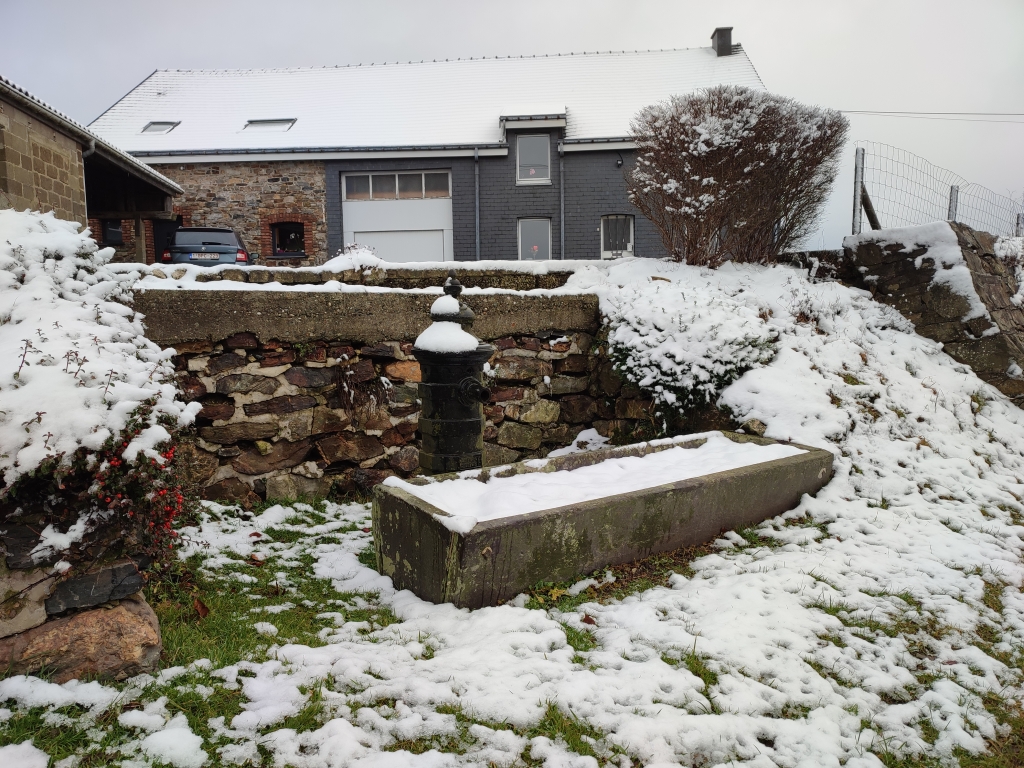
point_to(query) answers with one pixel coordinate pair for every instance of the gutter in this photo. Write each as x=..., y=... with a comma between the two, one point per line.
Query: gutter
x=503, y=148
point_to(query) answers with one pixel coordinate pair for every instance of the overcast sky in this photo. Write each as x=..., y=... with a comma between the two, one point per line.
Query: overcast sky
x=920, y=55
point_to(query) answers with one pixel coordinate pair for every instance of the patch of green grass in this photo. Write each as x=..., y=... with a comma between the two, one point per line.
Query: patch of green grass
x=580, y=640
x=578, y=735
x=852, y=380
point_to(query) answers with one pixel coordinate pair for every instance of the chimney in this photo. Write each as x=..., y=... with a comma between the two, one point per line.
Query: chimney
x=721, y=41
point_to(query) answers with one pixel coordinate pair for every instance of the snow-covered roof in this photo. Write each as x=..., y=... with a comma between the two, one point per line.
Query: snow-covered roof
x=455, y=103
x=26, y=100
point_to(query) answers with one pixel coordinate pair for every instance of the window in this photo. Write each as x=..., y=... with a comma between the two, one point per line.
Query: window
x=111, y=232
x=533, y=155
x=269, y=125
x=535, y=239
x=205, y=237
x=616, y=236
x=288, y=238
x=407, y=185
x=160, y=127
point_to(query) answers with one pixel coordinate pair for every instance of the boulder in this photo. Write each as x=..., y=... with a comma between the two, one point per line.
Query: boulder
x=114, y=642
x=99, y=585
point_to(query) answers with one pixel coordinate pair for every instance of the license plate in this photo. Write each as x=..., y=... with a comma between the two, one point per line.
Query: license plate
x=206, y=256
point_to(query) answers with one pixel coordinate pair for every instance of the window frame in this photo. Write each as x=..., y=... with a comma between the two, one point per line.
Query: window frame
x=528, y=182
x=371, y=199
x=105, y=227
x=632, y=235
x=279, y=254
x=519, y=237
x=169, y=125
x=270, y=125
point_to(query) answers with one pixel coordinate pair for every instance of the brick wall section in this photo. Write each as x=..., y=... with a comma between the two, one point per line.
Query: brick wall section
x=126, y=251
x=40, y=168
x=249, y=196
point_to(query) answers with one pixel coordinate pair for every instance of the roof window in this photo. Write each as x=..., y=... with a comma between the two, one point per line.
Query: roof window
x=160, y=127
x=269, y=125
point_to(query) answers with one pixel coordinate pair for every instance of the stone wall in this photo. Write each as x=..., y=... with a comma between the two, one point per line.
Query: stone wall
x=249, y=197
x=990, y=347
x=40, y=168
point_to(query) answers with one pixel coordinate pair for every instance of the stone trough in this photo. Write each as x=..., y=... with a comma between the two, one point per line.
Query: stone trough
x=447, y=558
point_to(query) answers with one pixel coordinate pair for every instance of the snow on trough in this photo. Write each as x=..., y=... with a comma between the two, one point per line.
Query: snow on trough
x=870, y=620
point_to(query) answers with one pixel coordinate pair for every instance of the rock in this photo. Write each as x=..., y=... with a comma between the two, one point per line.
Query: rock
x=238, y=432
x=19, y=541
x=530, y=343
x=111, y=643
x=560, y=346
x=357, y=372
x=158, y=273
x=317, y=354
x=568, y=385
x=311, y=378
x=279, y=357
x=755, y=427
x=285, y=404
x=392, y=437
x=405, y=459
x=571, y=364
x=578, y=409
x=633, y=409
x=263, y=447
x=225, y=362
x=506, y=342
x=496, y=455
x=494, y=413
x=283, y=456
x=367, y=478
x=341, y=351
x=217, y=408
x=349, y=447
x=329, y=420
x=243, y=383
x=195, y=466
x=405, y=393
x=229, y=451
x=403, y=370
x=290, y=487
x=490, y=432
x=407, y=428
x=386, y=349
x=191, y=388
x=378, y=421
x=193, y=348
x=514, y=435
x=613, y=428
x=242, y=341
x=541, y=412
x=98, y=585
x=28, y=609
x=507, y=394
x=562, y=434
x=520, y=368
x=231, y=490
x=308, y=469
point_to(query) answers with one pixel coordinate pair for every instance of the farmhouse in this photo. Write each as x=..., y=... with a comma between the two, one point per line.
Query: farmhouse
x=50, y=163
x=455, y=160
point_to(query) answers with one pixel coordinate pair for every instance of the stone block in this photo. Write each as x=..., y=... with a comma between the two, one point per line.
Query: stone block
x=405, y=460
x=226, y=362
x=289, y=487
x=357, y=372
x=633, y=409
x=507, y=394
x=514, y=435
x=578, y=409
x=99, y=585
x=243, y=340
x=28, y=608
x=498, y=559
x=568, y=385
x=284, y=455
x=520, y=368
x=191, y=388
x=110, y=643
x=217, y=408
x=280, y=405
x=349, y=447
x=571, y=364
x=238, y=432
x=405, y=393
x=246, y=383
x=195, y=466
x=327, y=420
x=277, y=357
x=388, y=350
x=20, y=539
x=497, y=455
x=311, y=378
x=541, y=412
x=231, y=490
x=403, y=370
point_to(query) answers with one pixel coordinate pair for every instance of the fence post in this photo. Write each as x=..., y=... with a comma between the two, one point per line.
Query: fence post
x=858, y=185
x=1020, y=225
x=954, y=198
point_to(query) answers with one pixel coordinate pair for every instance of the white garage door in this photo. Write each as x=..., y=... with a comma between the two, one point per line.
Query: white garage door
x=405, y=245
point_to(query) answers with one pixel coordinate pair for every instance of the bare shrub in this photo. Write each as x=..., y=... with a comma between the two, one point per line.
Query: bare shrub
x=732, y=173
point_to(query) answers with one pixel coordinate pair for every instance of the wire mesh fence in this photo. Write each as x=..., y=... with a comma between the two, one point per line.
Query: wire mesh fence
x=906, y=190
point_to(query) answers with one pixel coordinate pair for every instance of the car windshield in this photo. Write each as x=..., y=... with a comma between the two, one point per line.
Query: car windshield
x=204, y=238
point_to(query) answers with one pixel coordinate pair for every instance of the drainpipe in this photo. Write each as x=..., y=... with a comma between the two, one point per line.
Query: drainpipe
x=476, y=215
x=90, y=150
x=561, y=200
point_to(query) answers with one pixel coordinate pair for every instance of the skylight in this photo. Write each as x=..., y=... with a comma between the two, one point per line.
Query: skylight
x=270, y=125
x=160, y=127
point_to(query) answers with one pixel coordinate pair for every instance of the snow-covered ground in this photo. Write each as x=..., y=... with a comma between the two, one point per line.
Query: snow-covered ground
x=870, y=620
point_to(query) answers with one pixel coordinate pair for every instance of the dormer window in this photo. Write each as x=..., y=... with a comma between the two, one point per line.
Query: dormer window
x=270, y=125
x=533, y=159
x=160, y=127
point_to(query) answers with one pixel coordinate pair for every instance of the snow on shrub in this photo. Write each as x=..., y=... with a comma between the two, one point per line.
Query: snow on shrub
x=87, y=403
x=733, y=173
x=681, y=345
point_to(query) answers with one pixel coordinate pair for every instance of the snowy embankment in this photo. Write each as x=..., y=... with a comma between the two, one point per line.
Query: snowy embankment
x=871, y=620
x=74, y=363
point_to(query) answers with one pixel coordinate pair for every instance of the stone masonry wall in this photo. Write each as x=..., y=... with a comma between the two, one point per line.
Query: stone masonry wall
x=285, y=420
x=990, y=347
x=40, y=168
x=251, y=196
